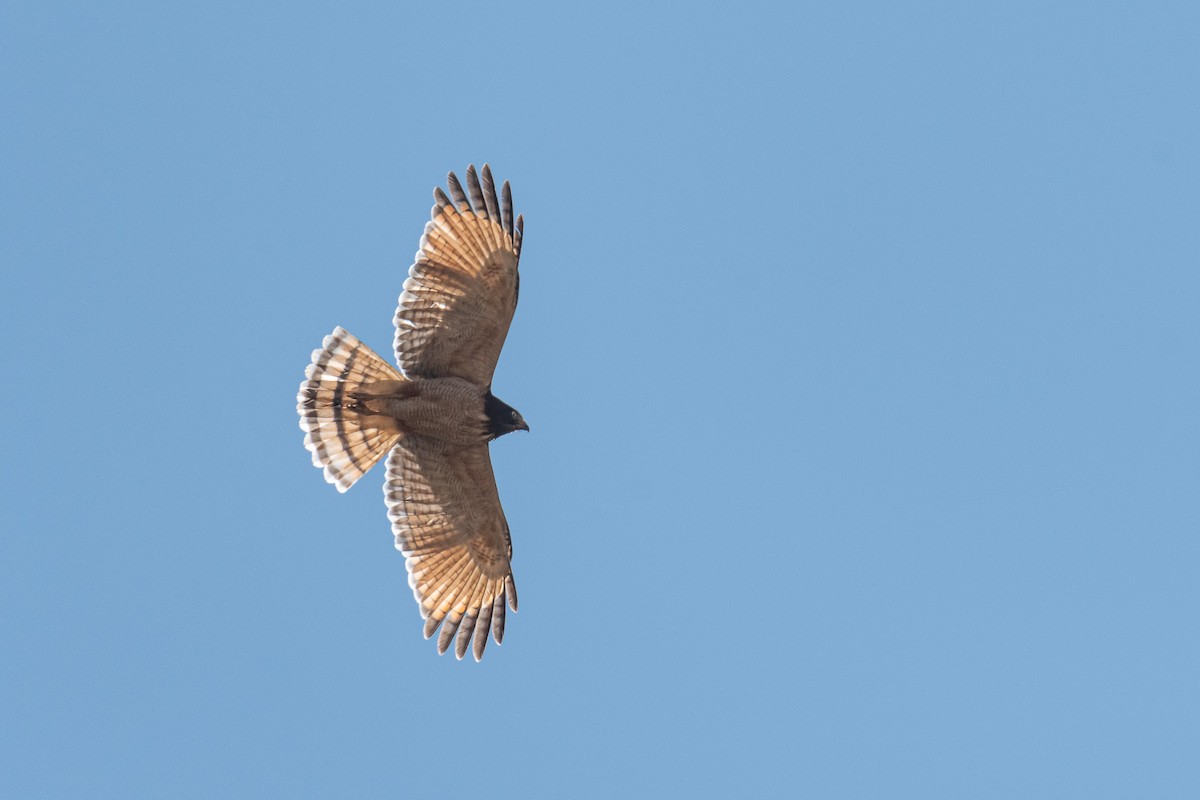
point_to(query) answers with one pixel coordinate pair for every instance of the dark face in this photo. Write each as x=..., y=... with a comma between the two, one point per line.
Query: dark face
x=502, y=418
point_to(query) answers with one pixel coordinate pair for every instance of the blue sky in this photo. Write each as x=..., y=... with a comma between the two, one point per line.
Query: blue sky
x=858, y=342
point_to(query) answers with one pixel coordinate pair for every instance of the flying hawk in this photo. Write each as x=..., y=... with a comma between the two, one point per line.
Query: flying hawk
x=434, y=417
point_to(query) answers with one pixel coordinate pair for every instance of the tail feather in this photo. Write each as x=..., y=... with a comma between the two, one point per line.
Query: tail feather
x=345, y=440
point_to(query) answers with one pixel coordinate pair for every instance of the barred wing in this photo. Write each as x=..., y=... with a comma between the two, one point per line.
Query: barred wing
x=461, y=291
x=446, y=516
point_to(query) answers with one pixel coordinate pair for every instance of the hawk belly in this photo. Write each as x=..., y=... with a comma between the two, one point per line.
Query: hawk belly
x=450, y=410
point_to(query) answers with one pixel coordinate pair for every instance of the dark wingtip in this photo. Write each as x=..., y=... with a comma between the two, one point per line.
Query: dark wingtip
x=475, y=190
x=498, y=618
x=456, y=192
x=511, y=588
x=489, y=195
x=506, y=208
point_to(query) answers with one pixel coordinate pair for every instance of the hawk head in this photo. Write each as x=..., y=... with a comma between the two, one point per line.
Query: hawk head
x=502, y=418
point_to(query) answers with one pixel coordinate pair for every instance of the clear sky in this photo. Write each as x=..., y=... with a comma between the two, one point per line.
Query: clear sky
x=859, y=344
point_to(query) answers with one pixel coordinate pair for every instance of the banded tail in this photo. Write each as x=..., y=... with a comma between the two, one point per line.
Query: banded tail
x=344, y=437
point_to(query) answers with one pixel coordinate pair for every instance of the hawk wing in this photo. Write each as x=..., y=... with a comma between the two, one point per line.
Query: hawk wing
x=446, y=516
x=461, y=291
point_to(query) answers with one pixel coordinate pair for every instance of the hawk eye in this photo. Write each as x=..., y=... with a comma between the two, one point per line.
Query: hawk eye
x=514, y=416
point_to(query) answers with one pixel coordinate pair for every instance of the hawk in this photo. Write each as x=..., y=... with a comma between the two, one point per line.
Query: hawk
x=434, y=417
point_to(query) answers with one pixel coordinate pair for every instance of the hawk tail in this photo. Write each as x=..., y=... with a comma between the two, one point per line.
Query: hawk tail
x=345, y=439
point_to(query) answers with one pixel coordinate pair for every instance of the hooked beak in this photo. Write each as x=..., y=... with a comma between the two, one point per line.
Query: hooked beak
x=524, y=426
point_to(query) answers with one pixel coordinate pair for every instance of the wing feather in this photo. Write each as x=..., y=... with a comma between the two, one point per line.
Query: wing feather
x=492, y=205
x=470, y=615
x=498, y=618
x=506, y=209
x=473, y=186
x=456, y=191
x=483, y=230
x=461, y=291
x=448, y=521
x=480, y=191
x=467, y=215
x=511, y=588
x=441, y=600
x=483, y=623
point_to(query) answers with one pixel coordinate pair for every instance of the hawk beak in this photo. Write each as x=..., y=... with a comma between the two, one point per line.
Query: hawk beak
x=524, y=426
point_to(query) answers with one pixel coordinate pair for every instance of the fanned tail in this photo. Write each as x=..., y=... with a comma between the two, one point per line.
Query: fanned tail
x=345, y=438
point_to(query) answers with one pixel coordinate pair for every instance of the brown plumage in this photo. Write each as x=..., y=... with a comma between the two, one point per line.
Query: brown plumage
x=434, y=418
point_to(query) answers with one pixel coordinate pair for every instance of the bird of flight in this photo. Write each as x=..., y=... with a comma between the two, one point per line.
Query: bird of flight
x=434, y=417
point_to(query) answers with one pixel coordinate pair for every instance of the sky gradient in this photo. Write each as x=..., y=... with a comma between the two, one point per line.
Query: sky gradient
x=859, y=345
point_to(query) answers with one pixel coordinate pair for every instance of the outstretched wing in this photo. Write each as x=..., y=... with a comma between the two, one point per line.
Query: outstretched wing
x=461, y=291
x=446, y=516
